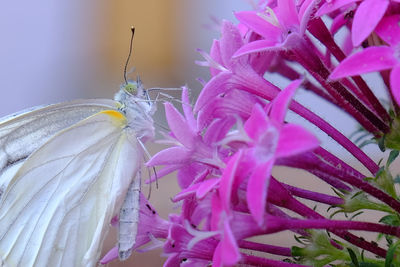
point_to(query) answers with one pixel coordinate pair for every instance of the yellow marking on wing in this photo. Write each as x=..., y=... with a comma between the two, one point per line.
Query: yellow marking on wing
x=117, y=117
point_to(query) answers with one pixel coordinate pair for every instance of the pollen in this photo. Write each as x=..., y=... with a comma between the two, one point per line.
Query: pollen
x=270, y=16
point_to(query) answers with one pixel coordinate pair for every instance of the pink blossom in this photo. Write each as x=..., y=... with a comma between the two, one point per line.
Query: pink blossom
x=280, y=27
x=377, y=58
x=367, y=15
x=270, y=139
x=150, y=226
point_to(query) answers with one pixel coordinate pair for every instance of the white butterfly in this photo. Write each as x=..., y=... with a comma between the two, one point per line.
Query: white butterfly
x=65, y=170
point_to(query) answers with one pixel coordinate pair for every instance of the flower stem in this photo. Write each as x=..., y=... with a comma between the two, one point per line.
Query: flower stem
x=276, y=250
x=277, y=224
x=256, y=87
x=281, y=197
x=257, y=261
x=319, y=30
x=302, y=54
x=315, y=196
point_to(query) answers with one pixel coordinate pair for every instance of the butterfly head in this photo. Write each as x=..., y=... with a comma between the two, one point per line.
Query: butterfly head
x=137, y=106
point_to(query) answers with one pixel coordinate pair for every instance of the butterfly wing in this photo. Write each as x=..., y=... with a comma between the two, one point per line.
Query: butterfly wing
x=57, y=208
x=24, y=132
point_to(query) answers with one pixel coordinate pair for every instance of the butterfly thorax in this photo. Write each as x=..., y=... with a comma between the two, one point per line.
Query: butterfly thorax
x=138, y=109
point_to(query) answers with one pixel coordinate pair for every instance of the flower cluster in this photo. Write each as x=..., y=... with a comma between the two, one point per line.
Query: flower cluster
x=226, y=147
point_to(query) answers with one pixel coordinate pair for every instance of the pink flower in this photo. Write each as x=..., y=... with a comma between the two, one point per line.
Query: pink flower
x=270, y=139
x=230, y=75
x=377, y=58
x=193, y=154
x=281, y=27
x=367, y=16
x=150, y=226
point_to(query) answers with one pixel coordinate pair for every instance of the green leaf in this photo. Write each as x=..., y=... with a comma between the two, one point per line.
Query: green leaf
x=381, y=144
x=366, y=142
x=391, y=219
x=390, y=254
x=396, y=180
x=392, y=156
x=353, y=257
x=380, y=171
x=369, y=264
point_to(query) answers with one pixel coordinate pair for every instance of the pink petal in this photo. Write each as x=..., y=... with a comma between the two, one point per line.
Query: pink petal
x=214, y=87
x=367, y=16
x=332, y=6
x=257, y=188
x=367, y=60
x=215, y=54
x=206, y=187
x=258, y=46
x=187, y=109
x=294, y=139
x=218, y=129
x=178, y=126
x=231, y=41
x=395, y=83
x=338, y=22
x=216, y=212
x=217, y=257
x=288, y=16
x=111, y=255
x=256, y=23
x=227, y=180
x=257, y=123
x=229, y=250
x=281, y=103
x=186, y=173
x=186, y=192
x=389, y=29
x=171, y=155
x=306, y=11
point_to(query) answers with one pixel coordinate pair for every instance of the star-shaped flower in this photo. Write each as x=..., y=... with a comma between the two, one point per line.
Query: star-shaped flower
x=367, y=16
x=377, y=58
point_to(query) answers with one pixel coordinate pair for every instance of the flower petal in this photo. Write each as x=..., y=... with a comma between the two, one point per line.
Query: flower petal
x=281, y=103
x=215, y=54
x=214, y=87
x=368, y=60
x=170, y=156
x=367, y=16
x=306, y=12
x=288, y=17
x=258, y=46
x=231, y=41
x=330, y=6
x=187, y=109
x=179, y=126
x=257, y=123
x=294, y=139
x=206, y=187
x=227, y=181
x=229, y=249
x=395, y=83
x=111, y=255
x=257, y=188
x=258, y=24
x=389, y=29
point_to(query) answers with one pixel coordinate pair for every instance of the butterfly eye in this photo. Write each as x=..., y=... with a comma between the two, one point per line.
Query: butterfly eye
x=131, y=88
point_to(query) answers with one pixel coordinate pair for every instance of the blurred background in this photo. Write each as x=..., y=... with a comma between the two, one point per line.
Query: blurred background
x=55, y=51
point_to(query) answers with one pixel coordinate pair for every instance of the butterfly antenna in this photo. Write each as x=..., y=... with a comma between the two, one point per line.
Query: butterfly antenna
x=129, y=55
